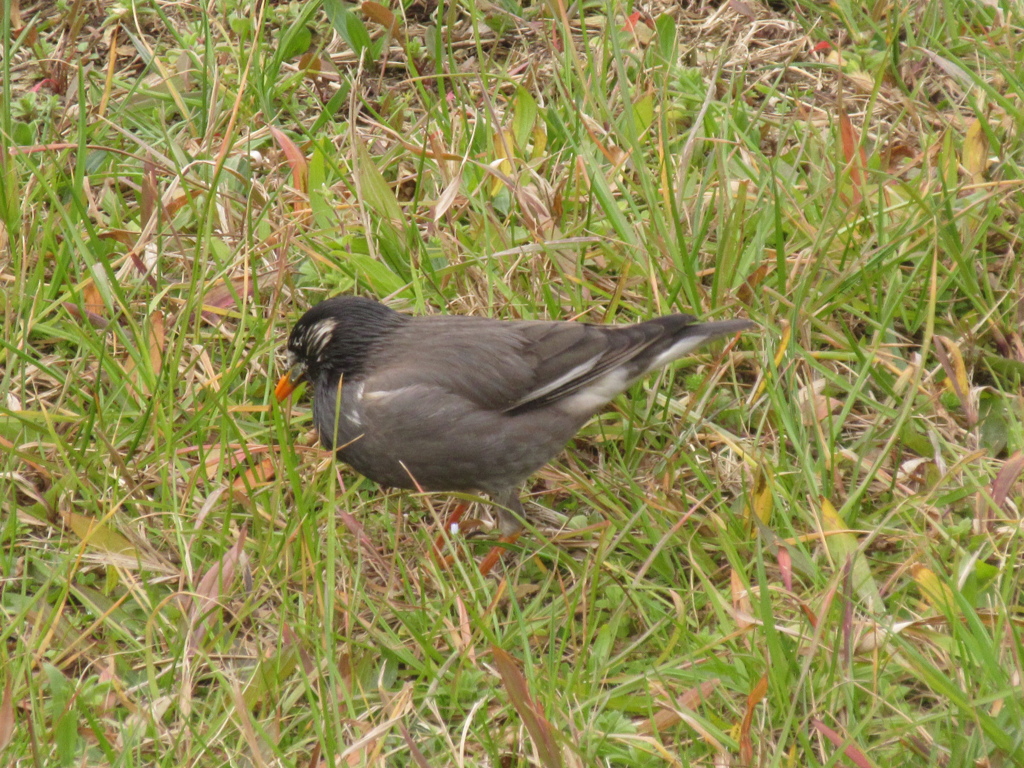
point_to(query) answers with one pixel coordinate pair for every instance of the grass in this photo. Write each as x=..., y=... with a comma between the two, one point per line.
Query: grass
x=798, y=549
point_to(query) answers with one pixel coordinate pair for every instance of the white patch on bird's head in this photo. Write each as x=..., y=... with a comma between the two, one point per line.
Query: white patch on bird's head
x=314, y=341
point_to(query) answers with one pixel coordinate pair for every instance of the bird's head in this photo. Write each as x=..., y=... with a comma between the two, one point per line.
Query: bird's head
x=333, y=339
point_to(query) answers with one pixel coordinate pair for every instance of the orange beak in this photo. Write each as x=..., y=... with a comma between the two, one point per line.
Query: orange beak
x=292, y=378
x=285, y=386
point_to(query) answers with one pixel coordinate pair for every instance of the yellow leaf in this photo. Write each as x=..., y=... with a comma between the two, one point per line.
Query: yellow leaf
x=843, y=548
x=760, y=504
x=952, y=361
x=780, y=353
x=96, y=534
x=504, y=150
x=975, y=158
x=935, y=592
x=156, y=341
x=540, y=141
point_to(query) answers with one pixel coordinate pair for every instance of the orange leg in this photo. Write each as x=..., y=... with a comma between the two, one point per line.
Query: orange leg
x=453, y=519
x=496, y=552
x=492, y=557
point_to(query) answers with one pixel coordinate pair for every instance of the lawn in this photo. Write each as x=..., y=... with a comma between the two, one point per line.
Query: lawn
x=797, y=547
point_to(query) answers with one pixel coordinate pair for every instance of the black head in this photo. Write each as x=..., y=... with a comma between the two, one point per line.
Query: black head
x=336, y=337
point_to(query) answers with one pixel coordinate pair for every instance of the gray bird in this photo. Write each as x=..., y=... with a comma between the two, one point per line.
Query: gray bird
x=468, y=404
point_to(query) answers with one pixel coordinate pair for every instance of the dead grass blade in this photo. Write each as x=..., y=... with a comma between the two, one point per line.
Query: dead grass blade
x=215, y=582
x=7, y=715
x=854, y=155
x=753, y=699
x=669, y=716
x=537, y=725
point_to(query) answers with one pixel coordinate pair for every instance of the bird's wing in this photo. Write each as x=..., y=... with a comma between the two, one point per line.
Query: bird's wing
x=514, y=367
x=582, y=366
x=588, y=364
x=486, y=362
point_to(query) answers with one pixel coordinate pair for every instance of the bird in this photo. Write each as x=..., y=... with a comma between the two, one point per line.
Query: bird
x=462, y=404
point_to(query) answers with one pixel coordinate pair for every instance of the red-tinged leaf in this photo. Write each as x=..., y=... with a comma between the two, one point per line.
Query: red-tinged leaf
x=854, y=155
x=226, y=295
x=179, y=200
x=149, y=193
x=848, y=139
x=254, y=477
x=296, y=159
x=786, y=568
x=356, y=529
x=92, y=299
x=125, y=237
x=1006, y=478
x=556, y=37
x=90, y=317
x=7, y=715
x=537, y=725
x=743, y=9
x=894, y=154
x=310, y=63
x=631, y=21
x=462, y=636
x=140, y=265
x=215, y=582
x=418, y=757
x=753, y=699
x=745, y=293
x=157, y=339
x=23, y=455
x=852, y=752
x=108, y=675
x=378, y=13
x=811, y=617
